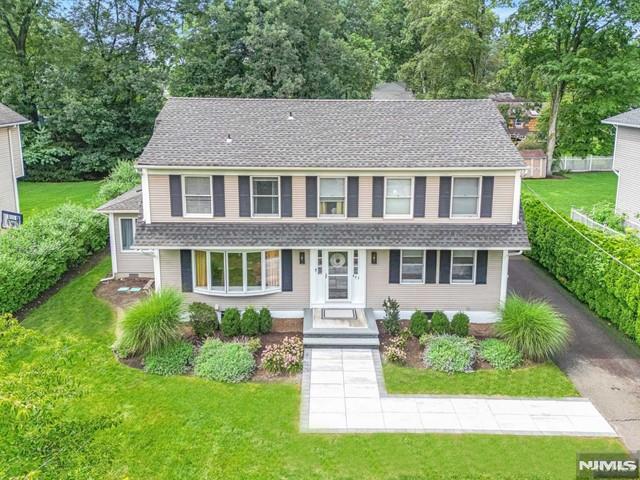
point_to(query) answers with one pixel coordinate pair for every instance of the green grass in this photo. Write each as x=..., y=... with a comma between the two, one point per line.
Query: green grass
x=38, y=196
x=545, y=380
x=191, y=428
x=579, y=190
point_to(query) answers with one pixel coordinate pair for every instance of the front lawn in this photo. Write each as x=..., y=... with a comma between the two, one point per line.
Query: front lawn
x=544, y=380
x=579, y=190
x=150, y=427
x=38, y=196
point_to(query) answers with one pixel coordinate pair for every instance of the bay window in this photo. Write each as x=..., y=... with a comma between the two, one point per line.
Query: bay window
x=463, y=266
x=397, y=201
x=265, y=193
x=465, y=197
x=412, y=266
x=332, y=193
x=237, y=273
x=198, y=196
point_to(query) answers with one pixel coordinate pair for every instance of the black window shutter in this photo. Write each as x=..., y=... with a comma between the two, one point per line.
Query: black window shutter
x=353, y=190
x=445, y=266
x=481, y=267
x=287, y=271
x=175, y=195
x=185, y=271
x=486, y=205
x=312, y=196
x=444, y=207
x=431, y=260
x=244, y=194
x=218, y=195
x=377, y=209
x=394, y=266
x=419, y=192
x=285, y=197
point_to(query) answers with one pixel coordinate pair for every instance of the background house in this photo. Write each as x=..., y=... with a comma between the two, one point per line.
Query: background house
x=11, y=164
x=520, y=114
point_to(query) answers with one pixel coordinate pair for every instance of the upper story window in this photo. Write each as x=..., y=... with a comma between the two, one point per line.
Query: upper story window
x=127, y=231
x=397, y=200
x=412, y=266
x=332, y=196
x=465, y=197
x=237, y=273
x=463, y=266
x=198, y=196
x=265, y=194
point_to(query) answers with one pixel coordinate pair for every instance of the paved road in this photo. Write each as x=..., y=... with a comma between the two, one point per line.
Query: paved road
x=604, y=367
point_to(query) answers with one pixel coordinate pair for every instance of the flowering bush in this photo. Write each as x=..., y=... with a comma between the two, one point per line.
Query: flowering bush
x=394, y=350
x=285, y=357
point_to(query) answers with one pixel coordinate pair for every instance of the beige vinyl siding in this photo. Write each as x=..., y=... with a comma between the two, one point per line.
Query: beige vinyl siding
x=17, y=151
x=130, y=262
x=161, y=207
x=431, y=297
x=7, y=178
x=298, y=299
x=627, y=162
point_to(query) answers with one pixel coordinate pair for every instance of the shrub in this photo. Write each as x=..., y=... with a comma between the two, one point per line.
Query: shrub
x=439, y=323
x=605, y=213
x=460, y=324
x=391, y=320
x=230, y=324
x=152, y=323
x=419, y=324
x=499, y=354
x=224, y=362
x=266, y=321
x=609, y=289
x=253, y=344
x=35, y=256
x=449, y=353
x=250, y=322
x=425, y=339
x=172, y=359
x=533, y=328
x=285, y=357
x=394, y=350
x=123, y=177
x=203, y=318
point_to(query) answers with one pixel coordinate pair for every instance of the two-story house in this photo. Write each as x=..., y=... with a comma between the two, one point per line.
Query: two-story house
x=11, y=164
x=626, y=163
x=298, y=204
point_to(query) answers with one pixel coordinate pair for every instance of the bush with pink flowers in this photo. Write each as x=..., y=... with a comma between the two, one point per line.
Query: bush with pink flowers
x=285, y=357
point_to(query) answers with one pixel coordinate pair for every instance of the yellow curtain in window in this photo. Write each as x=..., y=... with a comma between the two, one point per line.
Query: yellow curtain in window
x=201, y=268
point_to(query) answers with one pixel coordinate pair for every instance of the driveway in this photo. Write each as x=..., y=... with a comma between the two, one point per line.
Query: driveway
x=603, y=365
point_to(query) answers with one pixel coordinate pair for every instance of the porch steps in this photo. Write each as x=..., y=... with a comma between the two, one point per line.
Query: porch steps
x=366, y=337
x=341, y=342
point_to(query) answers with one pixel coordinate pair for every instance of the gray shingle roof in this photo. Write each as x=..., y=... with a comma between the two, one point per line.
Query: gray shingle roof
x=392, y=91
x=370, y=235
x=130, y=201
x=330, y=134
x=9, y=117
x=630, y=118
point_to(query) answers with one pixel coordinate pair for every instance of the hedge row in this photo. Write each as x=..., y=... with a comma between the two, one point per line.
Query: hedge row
x=35, y=256
x=608, y=288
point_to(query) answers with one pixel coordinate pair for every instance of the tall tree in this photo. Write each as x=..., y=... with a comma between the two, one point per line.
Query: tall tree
x=552, y=40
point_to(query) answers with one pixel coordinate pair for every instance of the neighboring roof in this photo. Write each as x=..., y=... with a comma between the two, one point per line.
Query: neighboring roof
x=365, y=134
x=626, y=119
x=506, y=97
x=9, y=117
x=392, y=91
x=128, y=202
x=309, y=235
x=533, y=153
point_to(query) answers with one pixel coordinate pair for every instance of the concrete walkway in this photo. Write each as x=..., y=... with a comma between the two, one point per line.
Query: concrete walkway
x=343, y=391
x=604, y=366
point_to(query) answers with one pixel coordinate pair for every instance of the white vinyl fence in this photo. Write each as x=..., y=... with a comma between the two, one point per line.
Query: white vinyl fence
x=585, y=220
x=592, y=163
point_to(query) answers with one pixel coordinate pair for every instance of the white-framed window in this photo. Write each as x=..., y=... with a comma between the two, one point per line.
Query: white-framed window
x=127, y=233
x=198, y=197
x=398, y=196
x=237, y=273
x=463, y=266
x=412, y=266
x=465, y=197
x=265, y=196
x=331, y=198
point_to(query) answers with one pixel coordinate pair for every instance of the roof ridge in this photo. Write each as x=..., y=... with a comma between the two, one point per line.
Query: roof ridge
x=336, y=100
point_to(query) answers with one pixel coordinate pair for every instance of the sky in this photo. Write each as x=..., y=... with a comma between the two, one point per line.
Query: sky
x=504, y=12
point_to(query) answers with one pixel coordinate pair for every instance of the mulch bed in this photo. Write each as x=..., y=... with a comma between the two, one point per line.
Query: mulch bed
x=108, y=290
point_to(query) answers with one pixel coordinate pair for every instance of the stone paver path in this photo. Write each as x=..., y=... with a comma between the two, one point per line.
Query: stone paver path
x=343, y=391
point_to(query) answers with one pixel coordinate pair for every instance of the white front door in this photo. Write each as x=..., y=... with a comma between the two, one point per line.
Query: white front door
x=338, y=277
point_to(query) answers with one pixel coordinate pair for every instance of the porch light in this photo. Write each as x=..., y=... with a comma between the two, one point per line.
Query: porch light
x=374, y=258
x=301, y=258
